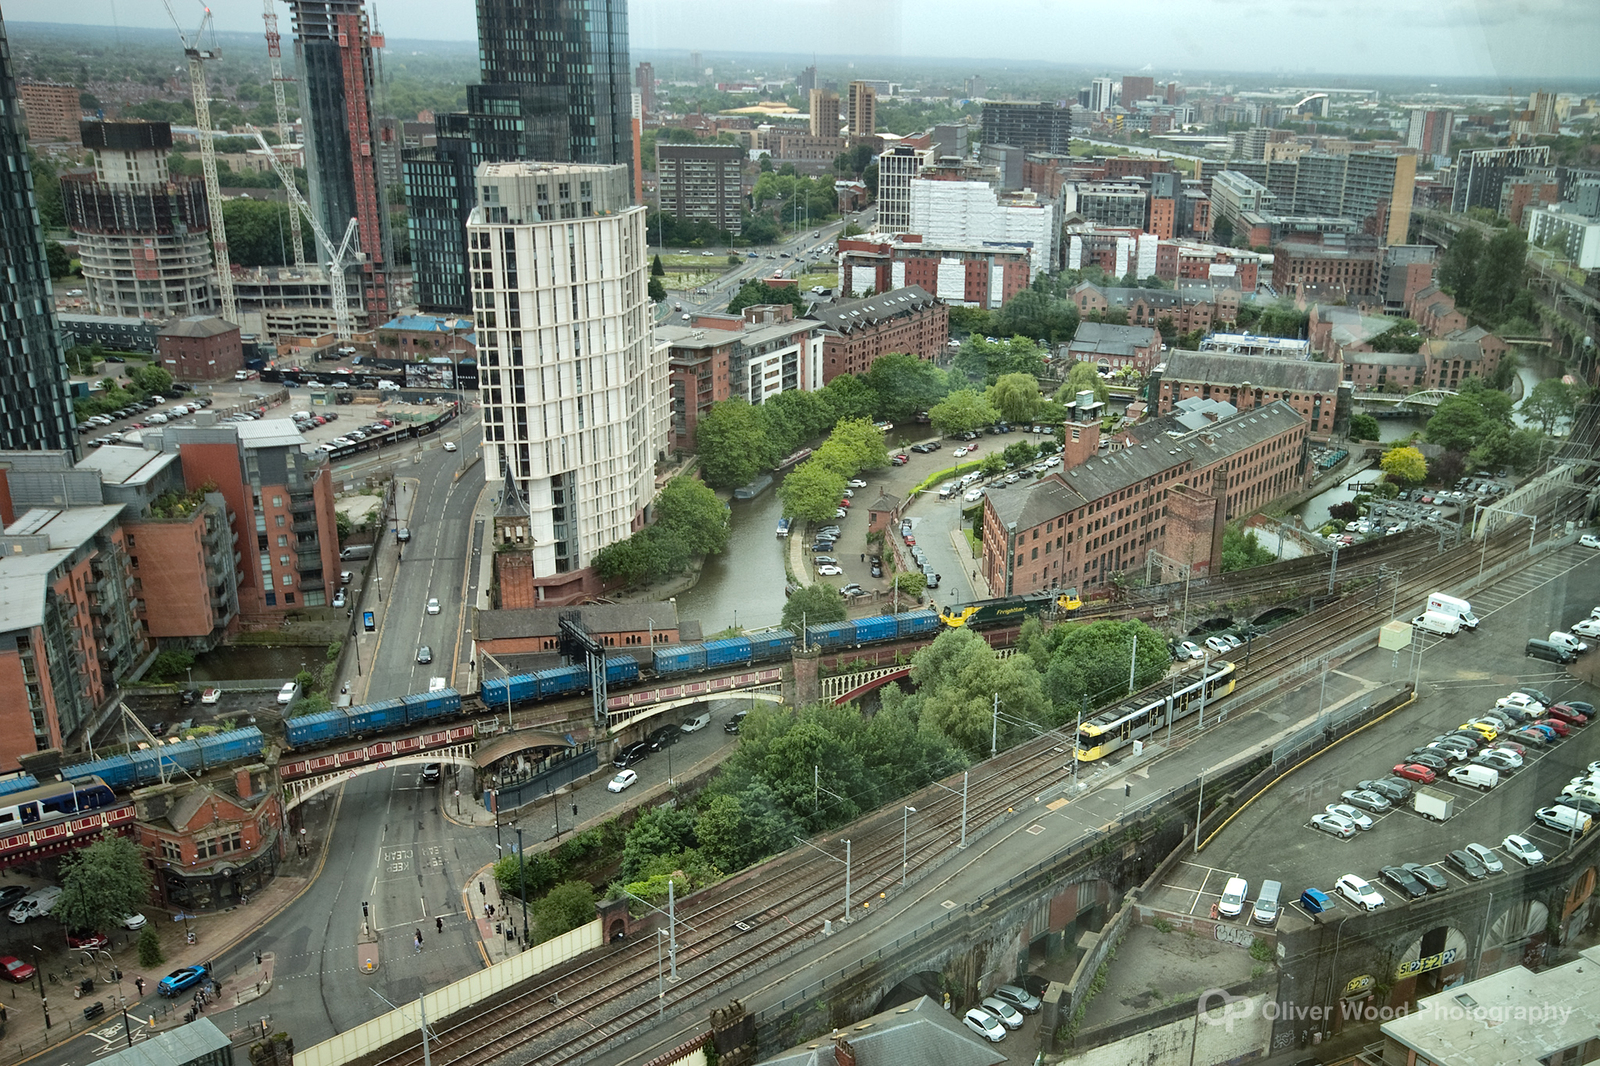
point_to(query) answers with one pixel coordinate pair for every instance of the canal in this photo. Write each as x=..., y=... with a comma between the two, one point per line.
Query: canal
x=744, y=585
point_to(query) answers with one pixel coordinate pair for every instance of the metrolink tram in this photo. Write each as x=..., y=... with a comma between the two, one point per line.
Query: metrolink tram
x=1142, y=715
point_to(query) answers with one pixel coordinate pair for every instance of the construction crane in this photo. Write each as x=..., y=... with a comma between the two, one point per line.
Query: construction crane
x=337, y=263
x=275, y=57
x=208, y=152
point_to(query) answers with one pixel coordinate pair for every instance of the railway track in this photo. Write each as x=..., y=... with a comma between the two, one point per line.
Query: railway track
x=742, y=926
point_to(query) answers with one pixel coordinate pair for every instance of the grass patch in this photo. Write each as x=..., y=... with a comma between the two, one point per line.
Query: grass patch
x=687, y=282
x=695, y=261
x=826, y=278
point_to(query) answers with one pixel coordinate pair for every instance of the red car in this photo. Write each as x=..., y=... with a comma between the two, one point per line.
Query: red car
x=1562, y=713
x=900, y=459
x=15, y=969
x=87, y=941
x=1416, y=772
x=1561, y=728
x=846, y=503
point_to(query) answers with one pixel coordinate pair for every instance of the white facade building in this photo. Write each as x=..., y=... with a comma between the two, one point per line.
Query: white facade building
x=574, y=387
x=896, y=168
x=970, y=212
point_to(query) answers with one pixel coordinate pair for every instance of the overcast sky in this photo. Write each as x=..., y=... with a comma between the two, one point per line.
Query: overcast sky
x=1508, y=39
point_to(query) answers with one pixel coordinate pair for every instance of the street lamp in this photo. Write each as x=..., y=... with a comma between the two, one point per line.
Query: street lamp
x=38, y=971
x=522, y=881
x=835, y=858
x=905, y=840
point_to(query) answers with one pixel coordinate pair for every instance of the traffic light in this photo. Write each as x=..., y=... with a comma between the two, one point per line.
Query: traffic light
x=364, y=912
x=481, y=890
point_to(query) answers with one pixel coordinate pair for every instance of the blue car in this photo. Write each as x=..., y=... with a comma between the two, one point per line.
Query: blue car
x=181, y=979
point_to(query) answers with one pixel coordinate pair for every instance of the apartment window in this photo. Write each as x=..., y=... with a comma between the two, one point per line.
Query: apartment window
x=283, y=541
x=277, y=501
x=279, y=520
x=171, y=852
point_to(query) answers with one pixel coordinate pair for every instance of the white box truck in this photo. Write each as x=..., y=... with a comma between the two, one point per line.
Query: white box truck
x=1445, y=625
x=1443, y=604
x=1431, y=803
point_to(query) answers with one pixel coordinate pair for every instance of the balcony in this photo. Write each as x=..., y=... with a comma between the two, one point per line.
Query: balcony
x=311, y=584
x=304, y=525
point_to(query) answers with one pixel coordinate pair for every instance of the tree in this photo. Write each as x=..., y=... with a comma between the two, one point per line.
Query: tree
x=656, y=290
x=982, y=362
x=1401, y=337
x=1363, y=427
x=1447, y=469
x=1462, y=422
x=102, y=884
x=1091, y=660
x=659, y=831
x=733, y=444
x=1549, y=402
x=812, y=491
x=992, y=464
x=1241, y=550
x=693, y=514
x=1015, y=396
x=656, y=269
x=960, y=412
x=564, y=908
x=259, y=234
x=813, y=605
x=1404, y=465
x=1458, y=268
x=1083, y=377
x=150, y=955
x=60, y=261
x=1502, y=269
x=958, y=677
x=152, y=379
x=1037, y=314
x=736, y=831
x=910, y=583
x=1222, y=229
x=904, y=385
x=1020, y=453
x=753, y=293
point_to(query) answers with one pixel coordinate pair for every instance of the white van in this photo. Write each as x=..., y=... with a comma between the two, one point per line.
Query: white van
x=158, y=418
x=1567, y=640
x=1446, y=625
x=1559, y=817
x=1234, y=896
x=1267, y=905
x=385, y=385
x=1484, y=777
x=35, y=904
x=1438, y=601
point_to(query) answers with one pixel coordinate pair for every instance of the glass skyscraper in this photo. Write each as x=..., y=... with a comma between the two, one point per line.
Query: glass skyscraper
x=35, y=405
x=556, y=87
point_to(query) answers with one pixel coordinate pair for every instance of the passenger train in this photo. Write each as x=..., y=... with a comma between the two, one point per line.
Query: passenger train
x=1149, y=711
x=59, y=799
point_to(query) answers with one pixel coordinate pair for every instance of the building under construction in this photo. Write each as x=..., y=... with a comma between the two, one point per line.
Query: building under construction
x=143, y=235
x=333, y=46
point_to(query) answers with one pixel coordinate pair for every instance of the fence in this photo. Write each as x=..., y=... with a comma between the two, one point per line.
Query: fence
x=400, y=1027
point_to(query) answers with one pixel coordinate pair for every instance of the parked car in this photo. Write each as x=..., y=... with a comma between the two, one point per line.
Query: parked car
x=1190, y=649
x=15, y=970
x=625, y=779
x=1366, y=799
x=1520, y=847
x=1359, y=892
x=1341, y=827
x=1415, y=772
x=1429, y=876
x=1486, y=857
x=1390, y=788
x=985, y=1025
x=1437, y=763
x=1469, y=866
x=1020, y=998
x=1405, y=881
x=1009, y=1016
x=633, y=753
x=1344, y=810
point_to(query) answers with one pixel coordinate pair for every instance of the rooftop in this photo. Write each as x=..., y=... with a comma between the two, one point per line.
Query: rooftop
x=854, y=314
x=1511, y=1018
x=1101, y=338
x=68, y=528
x=23, y=582
x=1262, y=371
x=427, y=323
x=702, y=336
x=1161, y=444
x=920, y=1031
x=175, y=1047
x=197, y=326
x=269, y=433
x=126, y=465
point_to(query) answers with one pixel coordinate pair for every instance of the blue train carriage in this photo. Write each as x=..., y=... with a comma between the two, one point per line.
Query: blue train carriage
x=728, y=652
x=115, y=770
x=518, y=689
x=427, y=706
x=17, y=783
x=1140, y=716
x=376, y=717
x=310, y=730
x=916, y=623
x=679, y=659
x=562, y=680
x=773, y=644
x=621, y=670
x=830, y=635
x=876, y=628
x=235, y=745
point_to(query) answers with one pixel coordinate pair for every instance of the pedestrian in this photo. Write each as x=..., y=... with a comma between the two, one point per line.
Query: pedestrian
x=418, y=941
x=138, y=982
x=438, y=925
x=863, y=556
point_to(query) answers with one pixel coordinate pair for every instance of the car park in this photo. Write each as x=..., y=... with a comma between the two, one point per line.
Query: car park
x=984, y=1024
x=1359, y=892
x=1365, y=799
x=1340, y=827
x=1344, y=810
x=1404, y=880
x=1530, y=735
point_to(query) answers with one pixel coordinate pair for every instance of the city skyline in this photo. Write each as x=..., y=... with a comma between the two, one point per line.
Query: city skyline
x=1455, y=38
